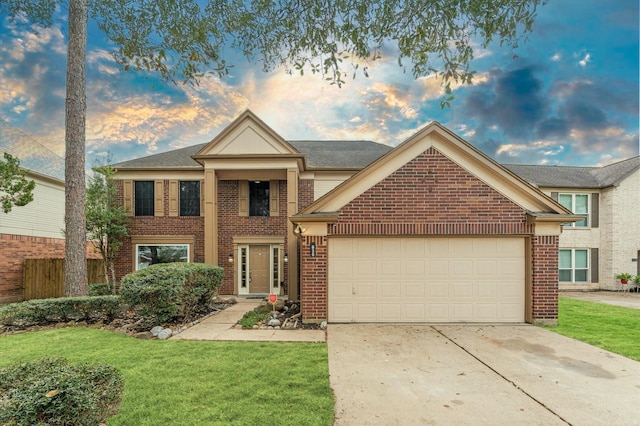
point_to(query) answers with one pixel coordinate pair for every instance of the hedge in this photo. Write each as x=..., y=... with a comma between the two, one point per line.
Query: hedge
x=50, y=391
x=62, y=309
x=171, y=291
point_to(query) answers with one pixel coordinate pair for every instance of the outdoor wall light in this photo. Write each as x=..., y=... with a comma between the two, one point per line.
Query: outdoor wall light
x=230, y=258
x=285, y=258
x=312, y=249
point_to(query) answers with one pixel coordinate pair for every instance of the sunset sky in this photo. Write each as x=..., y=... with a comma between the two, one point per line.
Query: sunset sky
x=568, y=96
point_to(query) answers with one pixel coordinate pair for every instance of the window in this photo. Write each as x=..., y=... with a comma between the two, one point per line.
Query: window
x=574, y=265
x=259, y=198
x=160, y=253
x=144, y=198
x=189, y=198
x=578, y=204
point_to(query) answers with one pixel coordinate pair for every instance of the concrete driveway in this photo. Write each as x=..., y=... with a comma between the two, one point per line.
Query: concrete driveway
x=476, y=374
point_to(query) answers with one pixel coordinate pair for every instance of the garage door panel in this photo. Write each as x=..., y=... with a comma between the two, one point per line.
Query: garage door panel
x=438, y=289
x=438, y=312
x=390, y=267
x=486, y=289
x=414, y=312
x=365, y=289
x=341, y=312
x=413, y=248
x=366, y=267
x=341, y=267
x=366, y=311
x=461, y=312
x=462, y=290
x=463, y=267
x=391, y=289
x=414, y=289
x=439, y=268
x=390, y=312
x=414, y=267
x=486, y=312
x=485, y=268
x=426, y=279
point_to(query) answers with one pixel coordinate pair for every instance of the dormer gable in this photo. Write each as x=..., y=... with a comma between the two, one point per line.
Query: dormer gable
x=247, y=135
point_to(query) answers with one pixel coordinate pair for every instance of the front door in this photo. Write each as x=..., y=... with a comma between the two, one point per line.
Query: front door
x=259, y=269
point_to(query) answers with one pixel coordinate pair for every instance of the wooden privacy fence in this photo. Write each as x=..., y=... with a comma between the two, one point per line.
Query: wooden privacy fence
x=44, y=278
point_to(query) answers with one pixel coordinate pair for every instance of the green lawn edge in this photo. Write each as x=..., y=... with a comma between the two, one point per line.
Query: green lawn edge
x=614, y=328
x=178, y=382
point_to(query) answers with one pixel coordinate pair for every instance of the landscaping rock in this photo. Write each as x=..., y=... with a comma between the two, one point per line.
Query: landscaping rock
x=274, y=322
x=323, y=325
x=156, y=330
x=164, y=334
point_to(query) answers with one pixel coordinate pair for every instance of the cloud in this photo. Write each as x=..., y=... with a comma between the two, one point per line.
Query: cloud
x=512, y=100
x=519, y=118
x=585, y=60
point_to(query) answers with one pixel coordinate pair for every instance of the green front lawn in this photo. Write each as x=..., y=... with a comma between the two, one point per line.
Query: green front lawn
x=613, y=328
x=188, y=382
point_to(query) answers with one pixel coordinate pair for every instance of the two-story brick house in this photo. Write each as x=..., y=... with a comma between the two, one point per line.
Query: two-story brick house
x=432, y=230
x=607, y=241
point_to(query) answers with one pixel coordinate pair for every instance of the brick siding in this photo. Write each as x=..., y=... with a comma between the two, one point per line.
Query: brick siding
x=15, y=249
x=230, y=225
x=313, y=288
x=432, y=195
x=545, y=279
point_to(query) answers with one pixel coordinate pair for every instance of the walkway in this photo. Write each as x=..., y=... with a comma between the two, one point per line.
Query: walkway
x=221, y=327
x=617, y=298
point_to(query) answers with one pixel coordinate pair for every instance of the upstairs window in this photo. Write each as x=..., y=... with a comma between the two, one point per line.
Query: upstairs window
x=189, y=198
x=259, y=198
x=144, y=198
x=578, y=204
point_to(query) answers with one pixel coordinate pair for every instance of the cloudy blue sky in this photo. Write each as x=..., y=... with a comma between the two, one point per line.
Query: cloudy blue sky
x=568, y=96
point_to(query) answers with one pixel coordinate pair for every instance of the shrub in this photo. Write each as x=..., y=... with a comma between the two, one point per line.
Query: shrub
x=50, y=391
x=44, y=311
x=100, y=289
x=170, y=291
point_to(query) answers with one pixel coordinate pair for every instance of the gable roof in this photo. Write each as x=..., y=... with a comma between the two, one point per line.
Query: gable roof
x=248, y=135
x=576, y=177
x=453, y=147
x=32, y=154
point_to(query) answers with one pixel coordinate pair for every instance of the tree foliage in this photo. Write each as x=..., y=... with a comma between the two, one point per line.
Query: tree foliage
x=183, y=40
x=15, y=188
x=106, y=218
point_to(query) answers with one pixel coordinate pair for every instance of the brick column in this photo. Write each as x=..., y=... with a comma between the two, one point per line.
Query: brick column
x=545, y=279
x=313, y=282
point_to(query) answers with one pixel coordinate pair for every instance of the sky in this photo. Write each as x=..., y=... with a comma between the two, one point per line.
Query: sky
x=567, y=96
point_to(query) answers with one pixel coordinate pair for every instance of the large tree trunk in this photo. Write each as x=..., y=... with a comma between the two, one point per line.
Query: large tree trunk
x=75, y=276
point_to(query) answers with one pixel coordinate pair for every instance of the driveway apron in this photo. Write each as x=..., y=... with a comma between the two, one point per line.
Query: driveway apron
x=450, y=374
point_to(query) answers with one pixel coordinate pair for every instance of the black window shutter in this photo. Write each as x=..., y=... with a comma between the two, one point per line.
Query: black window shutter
x=594, y=265
x=595, y=210
x=554, y=195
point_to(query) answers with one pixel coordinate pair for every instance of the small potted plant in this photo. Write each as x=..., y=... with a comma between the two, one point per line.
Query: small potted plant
x=624, y=277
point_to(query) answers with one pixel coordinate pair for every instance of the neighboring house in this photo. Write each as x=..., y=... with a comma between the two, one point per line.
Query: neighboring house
x=432, y=230
x=34, y=230
x=607, y=240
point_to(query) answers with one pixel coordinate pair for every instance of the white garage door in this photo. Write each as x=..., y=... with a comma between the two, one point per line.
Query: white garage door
x=426, y=279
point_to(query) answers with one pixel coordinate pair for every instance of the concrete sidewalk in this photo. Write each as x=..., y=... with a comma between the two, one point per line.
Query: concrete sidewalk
x=616, y=298
x=221, y=327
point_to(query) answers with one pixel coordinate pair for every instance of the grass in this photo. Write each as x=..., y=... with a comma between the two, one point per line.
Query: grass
x=613, y=328
x=252, y=318
x=188, y=382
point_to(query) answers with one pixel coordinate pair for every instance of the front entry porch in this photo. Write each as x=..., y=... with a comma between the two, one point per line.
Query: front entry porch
x=259, y=269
